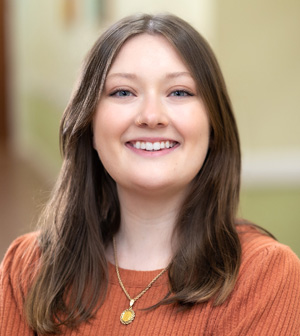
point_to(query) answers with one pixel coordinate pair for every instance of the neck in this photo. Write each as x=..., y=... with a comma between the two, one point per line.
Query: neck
x=145, y=240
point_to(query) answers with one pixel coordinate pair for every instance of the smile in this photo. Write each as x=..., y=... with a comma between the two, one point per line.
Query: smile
x=154, y=146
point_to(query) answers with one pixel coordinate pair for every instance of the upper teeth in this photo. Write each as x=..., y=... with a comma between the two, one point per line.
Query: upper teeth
x=150, y=146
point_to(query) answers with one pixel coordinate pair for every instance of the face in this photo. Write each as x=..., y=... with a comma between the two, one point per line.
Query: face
x=151, y=129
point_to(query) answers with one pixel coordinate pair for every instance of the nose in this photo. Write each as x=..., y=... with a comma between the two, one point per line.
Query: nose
x=152, y=113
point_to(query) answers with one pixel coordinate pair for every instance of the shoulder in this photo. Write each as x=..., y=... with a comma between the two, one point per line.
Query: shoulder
x=20, y=262
x=266, y=297
x=260, y=248
x=17, y=270
x=23, y=248
x=268, y=269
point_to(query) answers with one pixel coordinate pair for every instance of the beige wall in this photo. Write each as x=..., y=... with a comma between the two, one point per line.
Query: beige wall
x=47, y=50
x=200, y=13
x=258, y=46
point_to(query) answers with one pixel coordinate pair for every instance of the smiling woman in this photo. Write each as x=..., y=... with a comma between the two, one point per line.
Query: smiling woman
x=151, y=120
x=141, y=235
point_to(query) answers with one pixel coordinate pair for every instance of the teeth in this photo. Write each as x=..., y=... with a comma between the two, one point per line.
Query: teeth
x=155, y=146
x=149, y=146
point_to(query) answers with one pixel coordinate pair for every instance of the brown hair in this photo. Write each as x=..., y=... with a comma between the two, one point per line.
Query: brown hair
x=83, y=213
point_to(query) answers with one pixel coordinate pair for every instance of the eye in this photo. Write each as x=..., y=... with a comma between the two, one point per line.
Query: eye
x=180, y=93
x=121, y=93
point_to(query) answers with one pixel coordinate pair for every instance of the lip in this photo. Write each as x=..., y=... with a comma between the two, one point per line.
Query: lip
x=152, y=139
x=152, y=153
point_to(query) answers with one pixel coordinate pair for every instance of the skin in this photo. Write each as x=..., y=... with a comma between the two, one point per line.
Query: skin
x=149, y=96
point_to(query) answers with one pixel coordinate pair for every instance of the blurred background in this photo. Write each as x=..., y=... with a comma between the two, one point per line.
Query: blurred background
x=43, y=43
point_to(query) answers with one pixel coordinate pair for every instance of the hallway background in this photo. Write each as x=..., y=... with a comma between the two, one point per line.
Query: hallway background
x=258, y=47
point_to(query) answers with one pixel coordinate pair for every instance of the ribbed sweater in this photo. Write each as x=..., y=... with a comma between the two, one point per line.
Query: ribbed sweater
x=265, y=300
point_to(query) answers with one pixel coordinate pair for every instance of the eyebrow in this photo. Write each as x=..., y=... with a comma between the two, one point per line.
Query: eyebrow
x=122, y=74
x=133, y=76
x=178, y=74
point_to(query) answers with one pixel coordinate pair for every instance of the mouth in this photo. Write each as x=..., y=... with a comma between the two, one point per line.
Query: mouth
x=153, y=146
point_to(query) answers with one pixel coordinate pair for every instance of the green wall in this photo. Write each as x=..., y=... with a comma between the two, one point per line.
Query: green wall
x=275, y=209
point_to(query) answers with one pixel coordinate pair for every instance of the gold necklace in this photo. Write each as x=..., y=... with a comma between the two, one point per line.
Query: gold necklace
x=128, y=315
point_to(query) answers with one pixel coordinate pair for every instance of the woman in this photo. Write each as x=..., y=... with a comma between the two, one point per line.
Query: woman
x=141, y=236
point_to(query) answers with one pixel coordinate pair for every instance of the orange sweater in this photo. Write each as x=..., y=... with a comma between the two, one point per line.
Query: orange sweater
x=265, y=301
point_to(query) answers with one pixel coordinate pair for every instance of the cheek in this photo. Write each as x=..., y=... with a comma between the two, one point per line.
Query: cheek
x=107, y=133
x=196, y=130
x=198, y=136
x=100, y=127
x=104, y=149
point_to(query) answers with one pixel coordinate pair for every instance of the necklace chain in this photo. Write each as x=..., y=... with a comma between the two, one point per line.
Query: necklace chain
x=128, y=315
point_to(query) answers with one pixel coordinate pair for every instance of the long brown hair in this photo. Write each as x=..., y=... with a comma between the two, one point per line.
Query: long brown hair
x=83, y=213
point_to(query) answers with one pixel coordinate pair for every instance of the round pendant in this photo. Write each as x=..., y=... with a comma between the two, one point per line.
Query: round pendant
x=127, y=316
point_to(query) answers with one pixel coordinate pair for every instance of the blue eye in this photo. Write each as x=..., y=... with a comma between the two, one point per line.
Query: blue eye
x=121, y=93
x=181, y=93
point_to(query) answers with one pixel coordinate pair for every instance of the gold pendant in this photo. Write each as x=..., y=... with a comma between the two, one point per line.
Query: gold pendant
x=128, y=315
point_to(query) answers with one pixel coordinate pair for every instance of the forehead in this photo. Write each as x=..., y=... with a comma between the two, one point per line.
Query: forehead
x=145, y=50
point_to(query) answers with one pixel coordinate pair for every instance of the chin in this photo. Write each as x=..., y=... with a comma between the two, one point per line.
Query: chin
x=156, y=187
